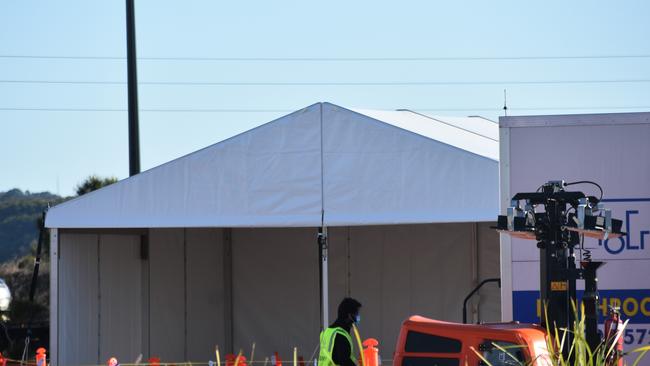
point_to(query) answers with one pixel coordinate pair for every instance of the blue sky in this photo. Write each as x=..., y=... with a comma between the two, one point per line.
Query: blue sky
x=54, y=150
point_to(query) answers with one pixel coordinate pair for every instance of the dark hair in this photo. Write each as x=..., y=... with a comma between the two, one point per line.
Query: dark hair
x=348, y=306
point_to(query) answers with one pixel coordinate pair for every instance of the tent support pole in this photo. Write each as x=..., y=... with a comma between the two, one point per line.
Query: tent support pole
x=54, y=297
x=228, y=285
x=323, y=274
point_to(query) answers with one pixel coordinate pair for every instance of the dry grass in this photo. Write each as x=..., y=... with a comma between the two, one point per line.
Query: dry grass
x=579, y=352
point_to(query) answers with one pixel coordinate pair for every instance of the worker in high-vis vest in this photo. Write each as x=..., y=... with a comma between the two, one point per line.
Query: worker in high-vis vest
x=336, y=346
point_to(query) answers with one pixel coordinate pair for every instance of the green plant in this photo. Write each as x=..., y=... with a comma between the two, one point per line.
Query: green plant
x=93, y=183
x=579, y=352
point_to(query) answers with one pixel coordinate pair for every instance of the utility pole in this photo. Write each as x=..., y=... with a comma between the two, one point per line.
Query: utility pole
x=132, y=80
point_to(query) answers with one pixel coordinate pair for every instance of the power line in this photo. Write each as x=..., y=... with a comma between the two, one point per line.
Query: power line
x=262, y=110
x=329, y=83
x=336, y=59
x=207, y=110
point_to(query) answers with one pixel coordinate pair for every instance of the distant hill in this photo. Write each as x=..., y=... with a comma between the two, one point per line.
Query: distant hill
x=19, y=214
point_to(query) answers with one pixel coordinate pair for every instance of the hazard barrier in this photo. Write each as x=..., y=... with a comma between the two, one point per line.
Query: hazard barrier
x=12, y=362
x=369, y=357
x=235, y=360
x=230, y=359
x=371, y=352
x=275, y=360
x=41, y=357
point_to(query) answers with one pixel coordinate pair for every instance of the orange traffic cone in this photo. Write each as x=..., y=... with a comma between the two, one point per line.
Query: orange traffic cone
x=276, y=360
x=371, y=353
x=241, y=360
x=41, y=357
x=230, y=359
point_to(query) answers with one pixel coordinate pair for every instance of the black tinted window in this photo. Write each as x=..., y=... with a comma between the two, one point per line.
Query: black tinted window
x=429, y=361
x=429, y=343
x=507, y=354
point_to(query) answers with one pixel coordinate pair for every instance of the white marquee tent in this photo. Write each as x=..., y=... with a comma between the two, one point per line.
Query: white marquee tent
x=219, y=246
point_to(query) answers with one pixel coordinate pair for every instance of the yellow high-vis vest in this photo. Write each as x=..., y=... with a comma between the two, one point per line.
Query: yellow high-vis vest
x=327, y=338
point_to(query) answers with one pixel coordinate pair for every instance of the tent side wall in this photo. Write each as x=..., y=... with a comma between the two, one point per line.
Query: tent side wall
x=275, y=291
x=231, y=287
x=99, y=297
x=78, y=300
x=187, y=285
x=401, y=270
x=115, y=302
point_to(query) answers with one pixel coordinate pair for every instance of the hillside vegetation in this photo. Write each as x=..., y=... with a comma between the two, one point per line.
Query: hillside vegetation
x=19, y=216
x=20, y=222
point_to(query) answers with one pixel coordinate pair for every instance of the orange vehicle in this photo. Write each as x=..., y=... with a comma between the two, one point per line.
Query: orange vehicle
x=428, y=342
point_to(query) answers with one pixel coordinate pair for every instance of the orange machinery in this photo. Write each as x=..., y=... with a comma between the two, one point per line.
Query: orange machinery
x=428, y=342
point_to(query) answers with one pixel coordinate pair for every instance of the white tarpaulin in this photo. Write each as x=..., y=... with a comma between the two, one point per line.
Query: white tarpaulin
x=409, y=169
x=356, y=168
x=203, y=287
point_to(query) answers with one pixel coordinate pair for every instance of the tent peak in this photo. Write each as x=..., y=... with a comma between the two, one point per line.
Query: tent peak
x=305, y=167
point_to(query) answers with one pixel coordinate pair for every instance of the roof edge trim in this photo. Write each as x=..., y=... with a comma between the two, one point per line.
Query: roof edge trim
x=560, y=120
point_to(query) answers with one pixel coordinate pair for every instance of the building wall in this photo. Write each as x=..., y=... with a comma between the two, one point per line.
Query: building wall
x=201, y=288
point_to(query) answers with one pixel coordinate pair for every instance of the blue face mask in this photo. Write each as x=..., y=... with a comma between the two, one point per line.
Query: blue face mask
x=357, y=319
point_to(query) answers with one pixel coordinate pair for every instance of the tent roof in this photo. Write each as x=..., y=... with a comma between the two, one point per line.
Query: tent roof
x=323, y=164
x=474, y=134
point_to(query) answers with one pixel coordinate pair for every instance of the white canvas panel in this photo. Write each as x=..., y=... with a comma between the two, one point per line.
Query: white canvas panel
x=489, y=267
x=403, y=270
x=267, y=176
x=441, y=270
x=375, y=263
x=473, y=134
x=78, y=299
x=377, y=173
x=476, y=124
x=275, y=291
x=167, y=294
x=339, y=267
x=205, y=293
x=120, y=288
x=378, y=167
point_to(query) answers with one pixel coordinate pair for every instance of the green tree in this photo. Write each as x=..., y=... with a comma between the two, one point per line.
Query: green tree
x=93, y=183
